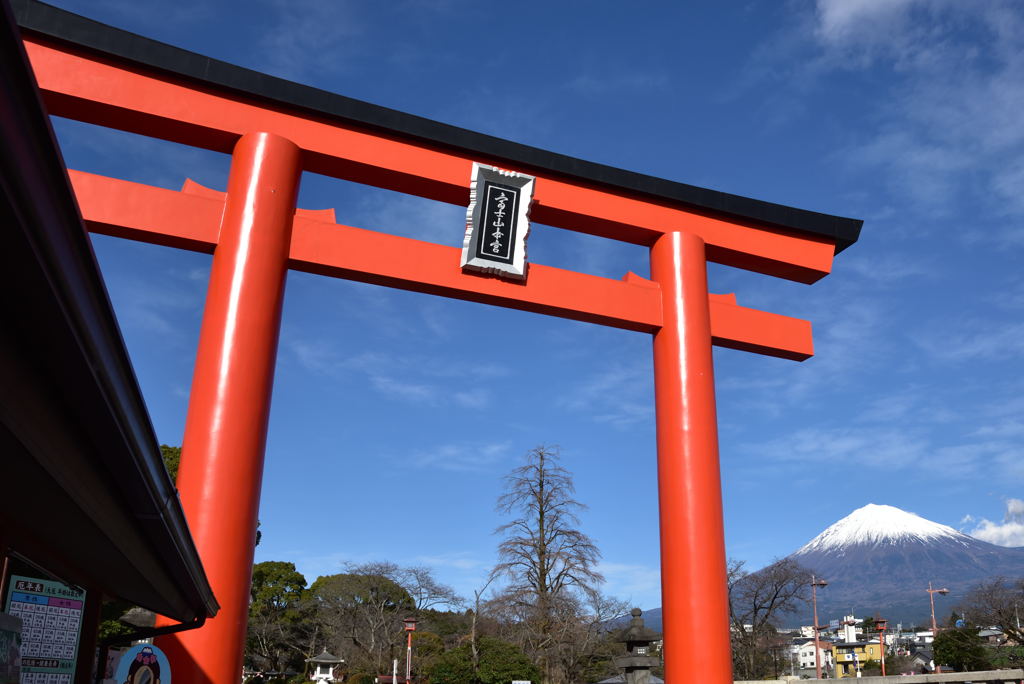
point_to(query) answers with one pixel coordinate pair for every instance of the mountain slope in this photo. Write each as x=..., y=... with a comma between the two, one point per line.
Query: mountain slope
x=881, y=558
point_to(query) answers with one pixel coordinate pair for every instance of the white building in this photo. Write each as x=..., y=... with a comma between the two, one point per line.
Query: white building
x=803, y=654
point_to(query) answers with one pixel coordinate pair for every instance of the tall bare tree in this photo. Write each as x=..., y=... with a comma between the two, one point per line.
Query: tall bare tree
x=544, y=553
x=756, y=602
x=549, y=564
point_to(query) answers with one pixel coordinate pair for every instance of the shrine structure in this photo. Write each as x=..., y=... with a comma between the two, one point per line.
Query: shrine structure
x=275, y=130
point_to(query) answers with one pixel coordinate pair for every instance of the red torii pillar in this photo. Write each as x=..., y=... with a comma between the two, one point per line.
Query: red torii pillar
x=695, y=606
x=221, y=470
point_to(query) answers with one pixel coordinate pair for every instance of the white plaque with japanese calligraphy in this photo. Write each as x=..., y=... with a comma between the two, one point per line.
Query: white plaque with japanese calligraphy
x=497, y=222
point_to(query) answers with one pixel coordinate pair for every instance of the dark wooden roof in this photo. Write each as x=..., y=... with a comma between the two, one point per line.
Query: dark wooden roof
x=83, y=489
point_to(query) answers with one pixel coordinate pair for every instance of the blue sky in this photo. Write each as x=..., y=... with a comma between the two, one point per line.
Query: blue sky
x=387, y=443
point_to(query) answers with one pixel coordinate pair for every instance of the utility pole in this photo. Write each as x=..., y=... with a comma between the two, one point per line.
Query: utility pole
x=815, y=583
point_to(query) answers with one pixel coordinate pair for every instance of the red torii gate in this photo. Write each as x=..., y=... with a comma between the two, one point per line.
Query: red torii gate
x=275, y=130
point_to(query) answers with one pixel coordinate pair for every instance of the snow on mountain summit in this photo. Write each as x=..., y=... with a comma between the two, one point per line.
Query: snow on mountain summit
x=879, y=524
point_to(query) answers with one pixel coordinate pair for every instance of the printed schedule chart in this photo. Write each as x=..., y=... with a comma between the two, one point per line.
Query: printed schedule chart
x=51, y=619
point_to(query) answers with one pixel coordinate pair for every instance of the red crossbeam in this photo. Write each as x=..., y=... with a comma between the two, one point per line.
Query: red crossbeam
x=190, y=219
x=127, y=97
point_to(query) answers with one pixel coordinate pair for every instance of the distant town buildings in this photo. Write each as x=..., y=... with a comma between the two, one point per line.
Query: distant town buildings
x=845, y=648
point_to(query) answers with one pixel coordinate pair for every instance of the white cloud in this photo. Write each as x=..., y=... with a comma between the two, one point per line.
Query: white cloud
x=846, y=21
x=1008, y=533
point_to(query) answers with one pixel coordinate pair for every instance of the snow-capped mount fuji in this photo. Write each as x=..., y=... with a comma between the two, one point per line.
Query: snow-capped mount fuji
x=881, y=559
x=882, y=525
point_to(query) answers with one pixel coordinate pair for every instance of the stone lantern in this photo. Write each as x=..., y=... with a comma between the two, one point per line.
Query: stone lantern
x=324, y=664
x=638, y=661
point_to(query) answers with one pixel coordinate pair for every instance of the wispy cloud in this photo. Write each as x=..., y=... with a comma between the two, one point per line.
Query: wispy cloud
x=892, y=448
x=403, y=389
x=846, y=342
x=911, y=429
x=943, y=126
x=410, y=378
x=974, y=339
x=885, y=270
x=950, y=128
x=459, y=560
x=619, y=395
x=139, y=16
x=611, y=82
x=155, y=305
x=411, y=216
x=461, y=456
x=632, y=582
x=862, y=24
x=309, y=38
x=316, y=565
x=138, y=158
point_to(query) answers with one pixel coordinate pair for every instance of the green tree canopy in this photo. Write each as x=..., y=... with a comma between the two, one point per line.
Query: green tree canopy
x=500, y=663
x=172, y=459
x=361, y=613
x=276, y=586
x=278, y=618
x=962, y=649
x=351, y=590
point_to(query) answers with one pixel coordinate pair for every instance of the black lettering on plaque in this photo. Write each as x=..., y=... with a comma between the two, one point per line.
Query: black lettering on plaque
x=497, y=237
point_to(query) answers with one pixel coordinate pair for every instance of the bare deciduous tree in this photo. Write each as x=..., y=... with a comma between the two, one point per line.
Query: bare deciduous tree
x=543, y=553
x=997, y=602
x=426, y=592
x=549, y=605
x=756, y=601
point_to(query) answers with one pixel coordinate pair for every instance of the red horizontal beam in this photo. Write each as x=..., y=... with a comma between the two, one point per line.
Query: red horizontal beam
x=127, y=97
x=190, y=220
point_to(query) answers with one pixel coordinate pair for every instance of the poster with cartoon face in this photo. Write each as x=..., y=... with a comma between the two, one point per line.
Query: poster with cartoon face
x=143, y=664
